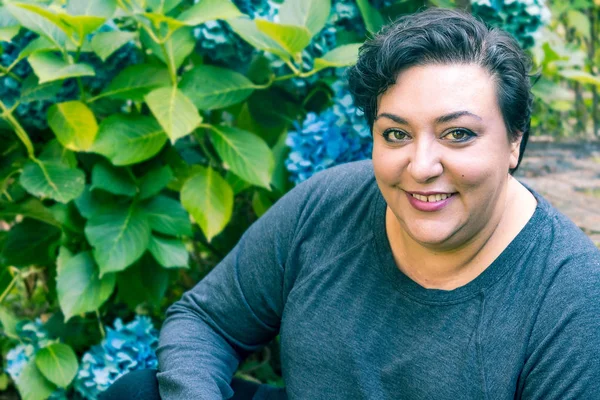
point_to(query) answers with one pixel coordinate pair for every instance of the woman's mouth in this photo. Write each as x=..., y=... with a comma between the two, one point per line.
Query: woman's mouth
x=430, y=202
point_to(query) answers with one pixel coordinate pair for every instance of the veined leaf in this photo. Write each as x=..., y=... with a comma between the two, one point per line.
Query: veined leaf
x=79, y=286
x=292, y=38
x=174, y=111
x=38, y=23
x=136, y=81
x=8, y=319
x=119, y=237
x=209, y=199
x=58, y=363
x=341, y=56
x=247, y=30
x=162, y=6
x=312, y=14
x=96, y=8
x=129, y=139
x=52, y=180
x=211, y=87
x=167, y=216
x=9, y=26
x=106, y=43
x=30, y=242
x=49, y=67
x=208, y=10
x=81, y=25
x=113, y=180
x=247, y=155
x=32, y=385
x=170, y=253
x=176, y=48
x=32, y=90
x=31, y=208
x=74, y=125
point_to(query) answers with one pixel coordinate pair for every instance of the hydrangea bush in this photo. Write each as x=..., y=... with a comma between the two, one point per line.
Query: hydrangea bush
x=132, y=133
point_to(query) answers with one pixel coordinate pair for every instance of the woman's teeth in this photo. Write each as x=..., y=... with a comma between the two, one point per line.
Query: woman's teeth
x=431, y=198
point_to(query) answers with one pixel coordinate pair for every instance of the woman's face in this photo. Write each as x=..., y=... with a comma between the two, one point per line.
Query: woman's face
x=441, y=153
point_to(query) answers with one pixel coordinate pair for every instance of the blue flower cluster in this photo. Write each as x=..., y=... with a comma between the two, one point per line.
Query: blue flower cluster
x=522, y=18
x=345, y=15
x=33, y=337
x=337, y=135
x=127, y=347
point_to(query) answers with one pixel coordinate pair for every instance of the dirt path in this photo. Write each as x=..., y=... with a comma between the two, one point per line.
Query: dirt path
x=568, y=175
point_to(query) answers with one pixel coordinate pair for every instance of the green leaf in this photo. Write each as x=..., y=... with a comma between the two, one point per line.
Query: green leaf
x=208, y=10
x=176, y=49
x=38, y=44
x=260, y=203
x=209, y=199
x=247, y=155
x=119, y=236
x=341, y=56
x=155, y=181
x=38, y=23
x=81, y=25
x=162, y=6
x=96, y=8
x=30, y=242
x=579, y=22
x=64, y=255
x=237, y=184
x=79, y=287
x=113, y=180
x=32, y=90
x=74, y=125
x=211, y=87
x=292, y=38
x=174, y=111
x=31, y=208
x=373, y=19
x=162, y=25
x=49, y=67
x=58, y=363
x=167, y=216
x=9, y=323
x=312, y=14
x=143, y=281
x=54, y=152
x=247, y=30
x=9, y=26
x=170, y=253
x=136, y=81
x=106, y=43
x=129, y=139
x=32, y=385
x=580, y=76
x=52, y=180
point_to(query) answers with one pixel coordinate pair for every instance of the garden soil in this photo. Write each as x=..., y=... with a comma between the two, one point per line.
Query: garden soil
x=568, y=175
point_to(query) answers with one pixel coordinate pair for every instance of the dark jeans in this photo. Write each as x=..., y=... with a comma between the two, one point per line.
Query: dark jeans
x=143, y=385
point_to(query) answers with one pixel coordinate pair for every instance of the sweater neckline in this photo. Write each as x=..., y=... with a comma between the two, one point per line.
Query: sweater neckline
x=499, y=267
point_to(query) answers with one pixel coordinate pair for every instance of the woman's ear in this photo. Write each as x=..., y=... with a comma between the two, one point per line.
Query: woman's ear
x=515, y=150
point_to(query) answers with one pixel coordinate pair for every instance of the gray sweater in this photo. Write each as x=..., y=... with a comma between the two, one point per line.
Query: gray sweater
x=317, y=268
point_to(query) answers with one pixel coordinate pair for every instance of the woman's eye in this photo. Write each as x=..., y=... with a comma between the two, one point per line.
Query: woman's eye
x=394, y=135
x=459, y=135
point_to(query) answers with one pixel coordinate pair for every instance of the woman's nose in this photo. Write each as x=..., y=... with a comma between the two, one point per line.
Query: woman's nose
x=425, y=162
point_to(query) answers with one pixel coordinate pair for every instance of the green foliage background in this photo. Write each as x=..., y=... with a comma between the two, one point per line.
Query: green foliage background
x=140, y=186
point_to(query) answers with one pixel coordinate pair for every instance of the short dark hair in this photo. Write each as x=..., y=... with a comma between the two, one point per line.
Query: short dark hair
x=444, y=36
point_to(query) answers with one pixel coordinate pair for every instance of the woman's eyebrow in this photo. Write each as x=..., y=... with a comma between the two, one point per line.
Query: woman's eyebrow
x=439, y=120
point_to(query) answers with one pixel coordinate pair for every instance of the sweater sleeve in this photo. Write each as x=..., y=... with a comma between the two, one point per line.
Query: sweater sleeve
x=235, y=310
x=564, y=347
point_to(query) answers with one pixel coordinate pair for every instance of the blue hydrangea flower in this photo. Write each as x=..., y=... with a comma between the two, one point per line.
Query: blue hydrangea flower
x=379, y=4
x=521, y=18
x=337, y=135
x=33, y=337
x=127, y=347
x=346, y=15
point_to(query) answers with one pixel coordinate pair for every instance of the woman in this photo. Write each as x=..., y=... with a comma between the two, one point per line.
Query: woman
x=426, y=273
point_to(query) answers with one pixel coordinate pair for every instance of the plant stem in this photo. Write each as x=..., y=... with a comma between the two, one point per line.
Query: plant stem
x=19, y=131
x=171, y=65
x=6, y=71
x=101, y=328
x=9, y=287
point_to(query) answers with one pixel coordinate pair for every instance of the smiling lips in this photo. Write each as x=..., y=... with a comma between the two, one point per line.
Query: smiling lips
x=430, y=201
